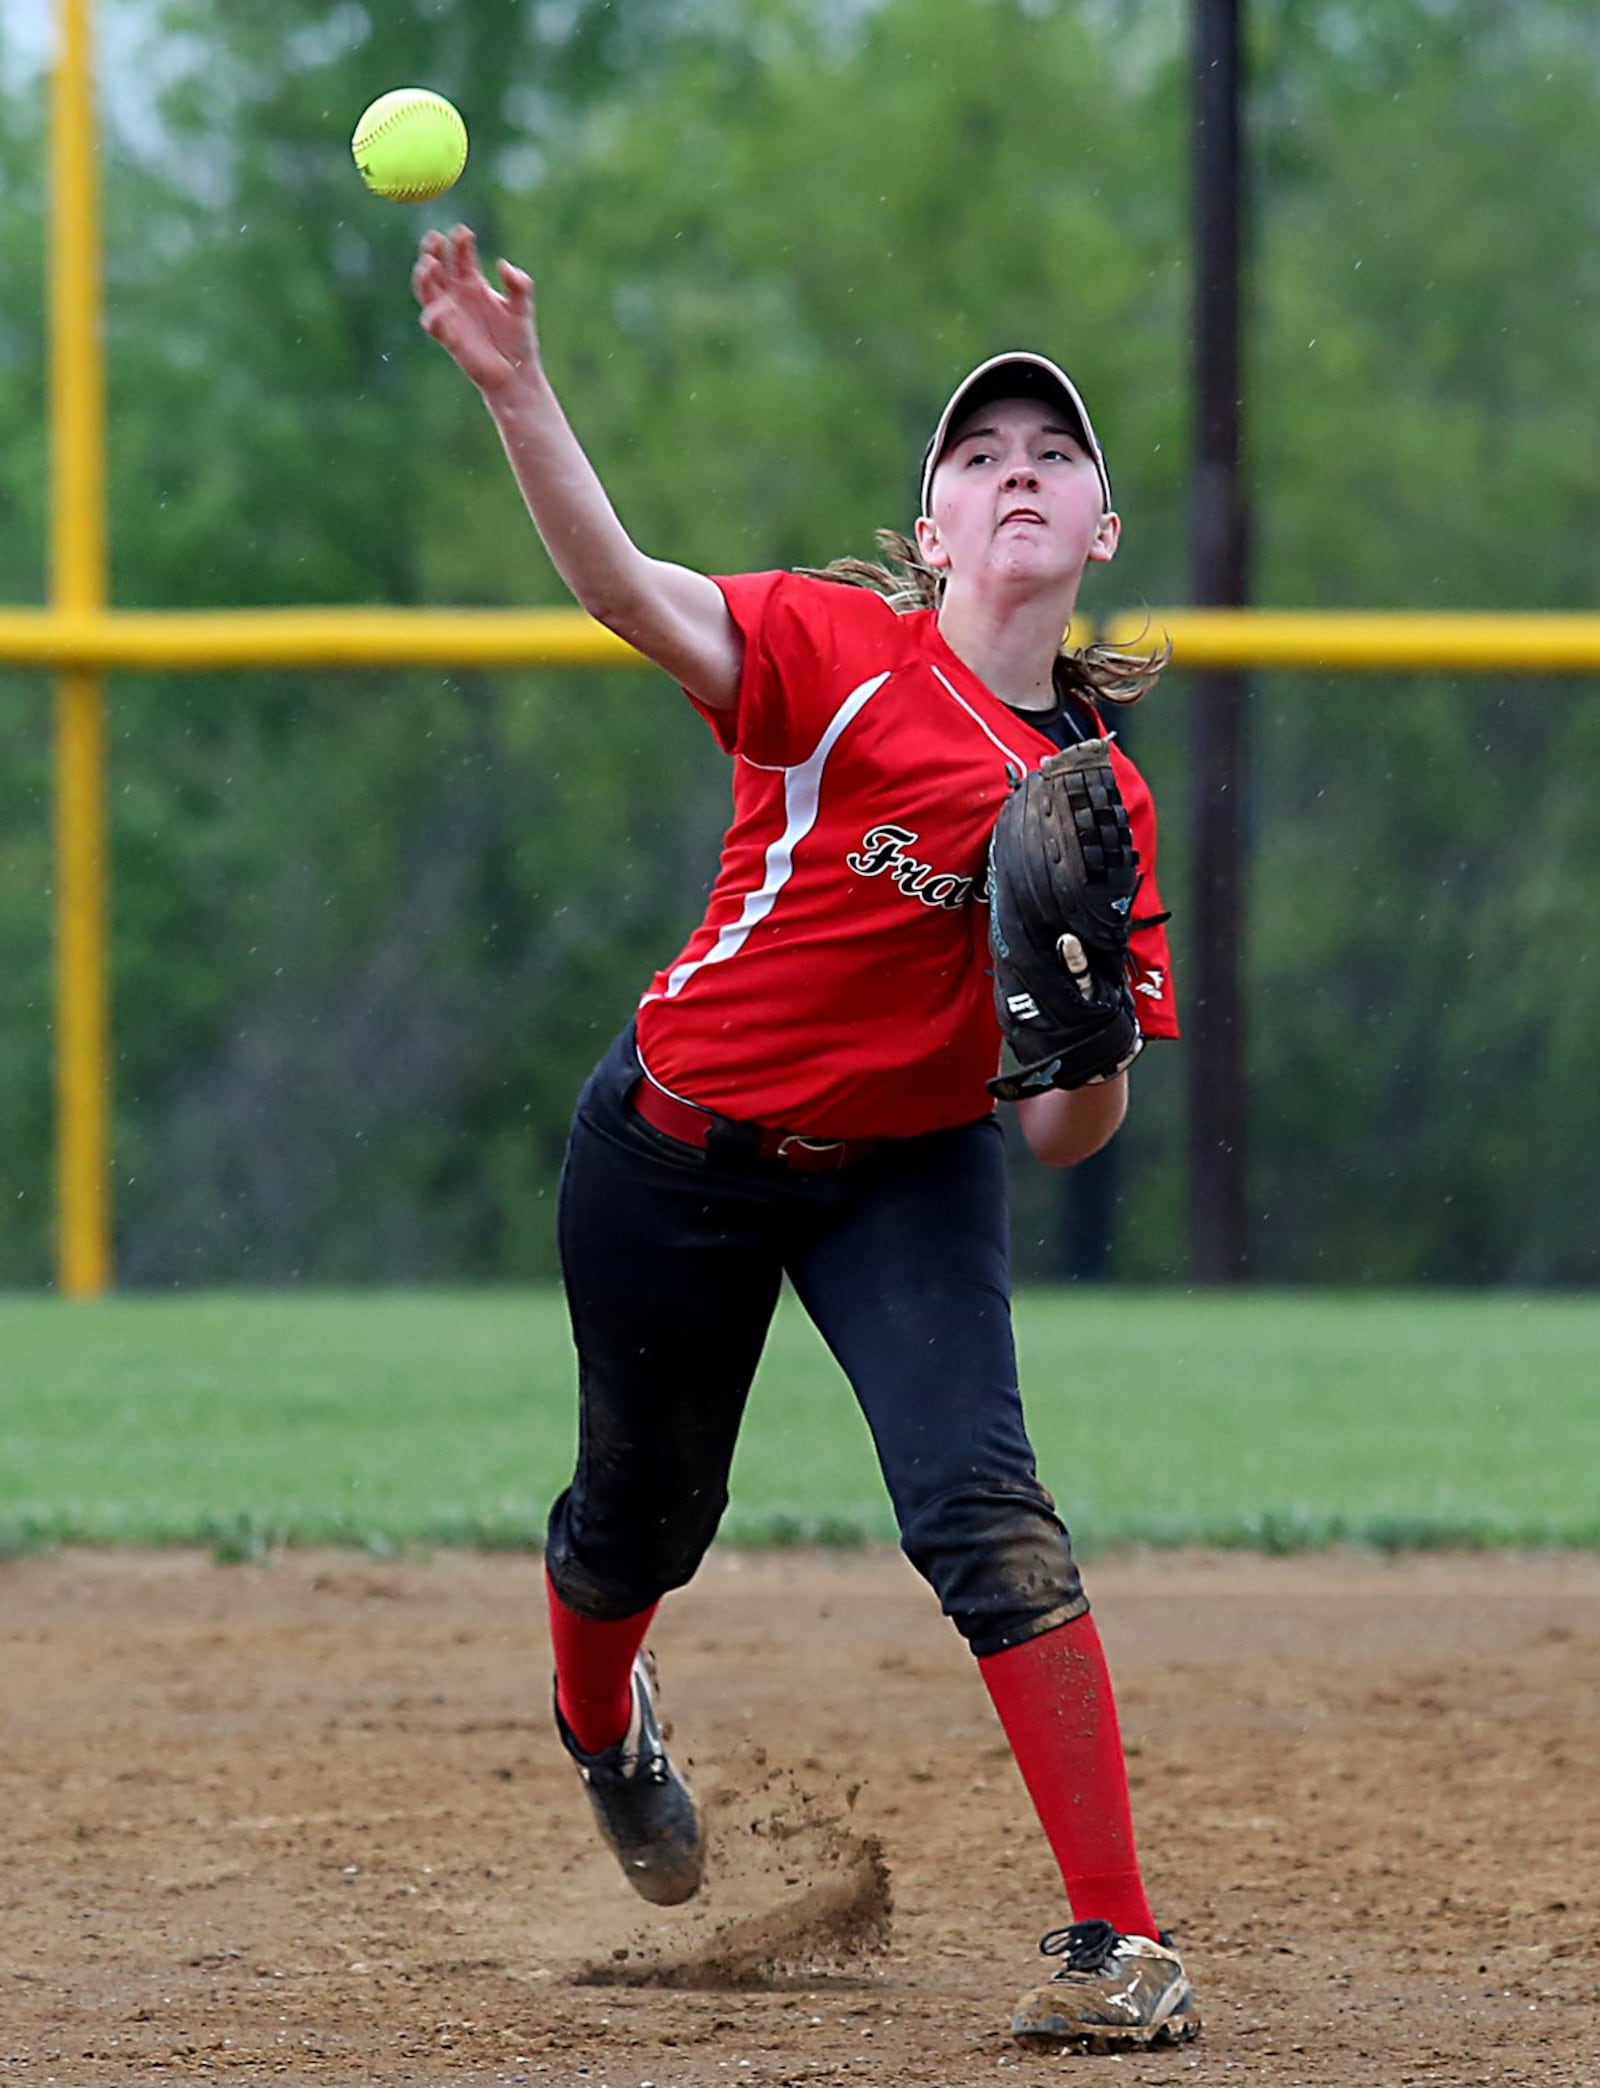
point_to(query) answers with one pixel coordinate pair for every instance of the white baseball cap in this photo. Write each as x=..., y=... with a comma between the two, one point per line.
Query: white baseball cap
x=1018, y=374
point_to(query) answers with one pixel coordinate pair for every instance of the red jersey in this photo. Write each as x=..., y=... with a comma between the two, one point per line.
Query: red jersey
x=839, y=984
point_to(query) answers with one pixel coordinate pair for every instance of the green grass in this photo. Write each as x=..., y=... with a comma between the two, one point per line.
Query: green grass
x=247, y=1420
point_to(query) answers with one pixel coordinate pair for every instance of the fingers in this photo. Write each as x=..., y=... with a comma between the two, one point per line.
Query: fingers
x=430, y=273
x=518, y=284
x=488, y=331
x=426, y=278
x=448, y=261
x=453, y=254
x=1070, y=951
x=463, y=251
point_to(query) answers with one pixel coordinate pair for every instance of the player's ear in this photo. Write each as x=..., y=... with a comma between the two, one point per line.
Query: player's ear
x=933, y=552
x=1108, y=534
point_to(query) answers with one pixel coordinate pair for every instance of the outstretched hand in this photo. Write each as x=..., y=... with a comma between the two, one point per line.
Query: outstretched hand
x=490, y=333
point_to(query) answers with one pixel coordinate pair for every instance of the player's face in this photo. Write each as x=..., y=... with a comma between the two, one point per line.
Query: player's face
x=1016, y=498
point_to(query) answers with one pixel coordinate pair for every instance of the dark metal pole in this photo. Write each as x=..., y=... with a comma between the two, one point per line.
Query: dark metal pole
x=1219, y=540
x=1088, y=1211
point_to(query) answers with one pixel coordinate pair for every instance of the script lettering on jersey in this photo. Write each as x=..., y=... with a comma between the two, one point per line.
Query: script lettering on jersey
x=883, y=853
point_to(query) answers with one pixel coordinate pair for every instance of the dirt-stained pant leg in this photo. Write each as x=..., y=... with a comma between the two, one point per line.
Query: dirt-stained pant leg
x=671, y=1277
x=910, y=1287
x=672, y=1268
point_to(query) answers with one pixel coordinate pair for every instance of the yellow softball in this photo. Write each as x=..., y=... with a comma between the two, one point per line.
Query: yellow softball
x=410, y=146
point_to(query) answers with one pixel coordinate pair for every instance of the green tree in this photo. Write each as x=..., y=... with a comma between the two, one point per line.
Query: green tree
x=25, y=867
x=370, y=930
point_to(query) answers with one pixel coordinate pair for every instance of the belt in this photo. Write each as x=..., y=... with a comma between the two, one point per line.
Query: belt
x=692, y=1126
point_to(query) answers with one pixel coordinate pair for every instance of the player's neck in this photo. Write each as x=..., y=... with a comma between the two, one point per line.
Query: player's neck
x=1011, y=648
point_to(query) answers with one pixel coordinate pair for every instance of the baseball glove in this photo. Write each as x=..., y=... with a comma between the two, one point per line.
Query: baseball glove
x=1063, y=873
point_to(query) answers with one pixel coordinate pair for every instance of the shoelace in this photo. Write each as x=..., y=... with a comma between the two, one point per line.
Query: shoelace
x=1086, y=1945
x=646, y=1760
x=1143, y=921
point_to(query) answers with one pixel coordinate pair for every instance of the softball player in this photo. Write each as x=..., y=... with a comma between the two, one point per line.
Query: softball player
x=765, y=1114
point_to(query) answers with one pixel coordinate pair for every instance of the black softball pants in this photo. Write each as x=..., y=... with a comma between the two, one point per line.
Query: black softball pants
x=673, y=1259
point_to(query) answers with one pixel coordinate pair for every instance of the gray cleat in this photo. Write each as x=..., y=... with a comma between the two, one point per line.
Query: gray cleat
x=1114, y=1993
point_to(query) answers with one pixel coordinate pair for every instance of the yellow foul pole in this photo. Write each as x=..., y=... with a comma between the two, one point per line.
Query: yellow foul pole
x=78, y=587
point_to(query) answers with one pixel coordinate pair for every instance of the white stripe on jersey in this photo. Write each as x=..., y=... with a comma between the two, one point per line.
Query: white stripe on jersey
x=802, y=792
x=1017, y=762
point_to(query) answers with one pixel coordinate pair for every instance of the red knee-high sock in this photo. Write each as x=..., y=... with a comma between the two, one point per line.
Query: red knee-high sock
x=1055, y=1702
x=594, y=1662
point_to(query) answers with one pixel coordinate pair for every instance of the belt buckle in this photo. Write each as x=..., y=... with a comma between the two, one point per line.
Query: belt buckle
x=815, y=1148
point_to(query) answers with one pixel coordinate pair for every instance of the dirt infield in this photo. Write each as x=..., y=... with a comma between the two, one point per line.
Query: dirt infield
x=306, y=1820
